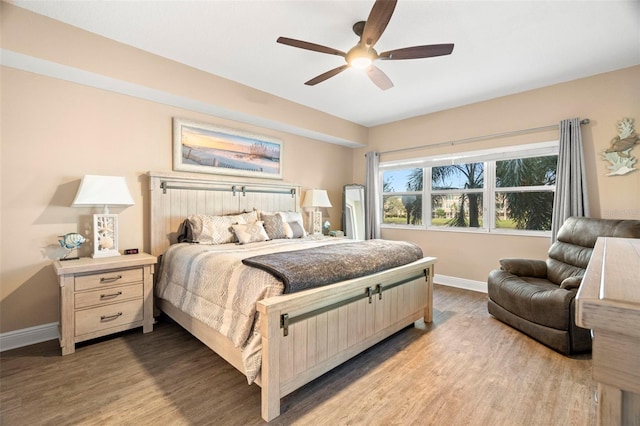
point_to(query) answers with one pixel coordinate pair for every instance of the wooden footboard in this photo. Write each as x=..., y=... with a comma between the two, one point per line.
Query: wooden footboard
x=306, y=334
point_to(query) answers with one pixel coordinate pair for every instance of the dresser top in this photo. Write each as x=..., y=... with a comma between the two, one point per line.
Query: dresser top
x=88, y=264
x=610, y=285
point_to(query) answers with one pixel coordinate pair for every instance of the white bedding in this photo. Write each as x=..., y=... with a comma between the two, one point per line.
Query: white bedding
x=211, y=284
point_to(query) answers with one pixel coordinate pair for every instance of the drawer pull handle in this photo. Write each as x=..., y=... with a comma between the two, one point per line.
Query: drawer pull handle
x=110, y=296
x=110, y=279
x=110, y=317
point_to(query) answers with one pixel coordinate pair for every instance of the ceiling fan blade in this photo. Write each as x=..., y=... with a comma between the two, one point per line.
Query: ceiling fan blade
x=377, y=21
x=326, y=75
x=310, y=46
x=379, y=78
x=417, y=52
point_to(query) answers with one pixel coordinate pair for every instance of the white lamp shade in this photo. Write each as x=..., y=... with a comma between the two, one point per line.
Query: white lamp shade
x=316, y=198
x=102, y=191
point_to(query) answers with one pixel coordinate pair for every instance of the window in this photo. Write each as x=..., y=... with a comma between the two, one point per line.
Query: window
x=502, y=190
x=457, y=191
x=524, y=192
x=402, y=198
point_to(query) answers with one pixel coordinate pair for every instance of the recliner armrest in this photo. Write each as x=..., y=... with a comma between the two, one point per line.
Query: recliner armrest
x=571, y=283
x=525, y=267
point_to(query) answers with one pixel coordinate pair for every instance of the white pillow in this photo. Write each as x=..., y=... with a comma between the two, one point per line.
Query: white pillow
x=248, y=217
x=250, y=232
x=208, y=229
x=211, y=229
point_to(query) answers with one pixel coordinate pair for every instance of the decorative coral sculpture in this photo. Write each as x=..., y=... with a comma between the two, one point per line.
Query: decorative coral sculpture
x=619, y=154
x=106, y=233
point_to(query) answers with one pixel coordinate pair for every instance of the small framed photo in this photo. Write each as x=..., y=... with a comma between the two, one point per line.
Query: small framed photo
x=205, y=148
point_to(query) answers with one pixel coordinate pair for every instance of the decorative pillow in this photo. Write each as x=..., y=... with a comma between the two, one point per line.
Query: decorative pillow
x=274, y=225
x=250, y=232
x=185, y=235
x=208, y=229
x=294, y=230
x=294, y=217
x=248, y=217
x=212, y=229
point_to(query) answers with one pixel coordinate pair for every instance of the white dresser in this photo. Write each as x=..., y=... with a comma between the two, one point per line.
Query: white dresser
x=608, y=303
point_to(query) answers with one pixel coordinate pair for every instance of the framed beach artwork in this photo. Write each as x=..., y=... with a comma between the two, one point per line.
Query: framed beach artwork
x=205, y=148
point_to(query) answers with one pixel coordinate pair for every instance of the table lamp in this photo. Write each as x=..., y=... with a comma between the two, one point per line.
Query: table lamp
x=104, y=191
x=316, y=198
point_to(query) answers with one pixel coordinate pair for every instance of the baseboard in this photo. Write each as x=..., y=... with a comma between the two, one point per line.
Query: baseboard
x=28, y=336
x=479, y=286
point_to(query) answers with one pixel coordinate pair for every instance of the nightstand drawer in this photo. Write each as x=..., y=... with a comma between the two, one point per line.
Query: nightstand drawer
x=104, y=317
x=94, y=281
x=108, y=295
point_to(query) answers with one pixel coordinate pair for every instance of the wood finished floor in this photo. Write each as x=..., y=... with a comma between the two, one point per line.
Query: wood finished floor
x=466, y=368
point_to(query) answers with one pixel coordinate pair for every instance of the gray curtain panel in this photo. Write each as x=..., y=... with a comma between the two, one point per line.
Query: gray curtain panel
x=371, y=197
x=571, y=197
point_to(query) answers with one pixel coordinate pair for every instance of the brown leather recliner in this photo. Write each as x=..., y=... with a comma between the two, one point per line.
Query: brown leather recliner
x=537, y=297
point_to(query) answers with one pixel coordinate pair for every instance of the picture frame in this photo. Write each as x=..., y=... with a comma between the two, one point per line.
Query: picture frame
x=207, y=148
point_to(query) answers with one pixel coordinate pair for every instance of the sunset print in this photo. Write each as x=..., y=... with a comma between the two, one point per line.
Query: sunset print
x=227, y=150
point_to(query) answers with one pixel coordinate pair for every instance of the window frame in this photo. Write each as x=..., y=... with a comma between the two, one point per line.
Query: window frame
x=487, y=156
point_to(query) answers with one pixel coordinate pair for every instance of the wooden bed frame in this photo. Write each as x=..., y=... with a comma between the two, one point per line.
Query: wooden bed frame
x=304, y=334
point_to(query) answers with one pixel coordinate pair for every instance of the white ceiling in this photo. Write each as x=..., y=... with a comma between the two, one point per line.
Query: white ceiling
x=501, y=47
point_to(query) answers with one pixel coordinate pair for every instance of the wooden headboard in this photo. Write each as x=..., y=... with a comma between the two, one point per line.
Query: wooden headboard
x=175, y=196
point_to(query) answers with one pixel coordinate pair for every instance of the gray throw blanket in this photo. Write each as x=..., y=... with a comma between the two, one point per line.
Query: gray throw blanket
x=303, y=269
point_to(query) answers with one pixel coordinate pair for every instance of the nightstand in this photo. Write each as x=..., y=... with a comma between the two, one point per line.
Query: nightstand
x=103, y=296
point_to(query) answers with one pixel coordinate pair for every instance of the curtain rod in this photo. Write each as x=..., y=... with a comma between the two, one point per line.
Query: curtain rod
x=481, y=138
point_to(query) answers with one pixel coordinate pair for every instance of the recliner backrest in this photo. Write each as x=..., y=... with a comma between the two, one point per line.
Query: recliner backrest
x=577, y=236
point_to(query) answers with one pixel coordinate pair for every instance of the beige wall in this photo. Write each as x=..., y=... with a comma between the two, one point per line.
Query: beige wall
x=605, y=99
x=55, y=131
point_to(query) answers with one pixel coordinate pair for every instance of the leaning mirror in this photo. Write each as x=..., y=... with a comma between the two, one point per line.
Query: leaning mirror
x=353, y=213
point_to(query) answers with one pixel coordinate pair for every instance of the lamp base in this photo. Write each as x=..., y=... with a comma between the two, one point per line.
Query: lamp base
x=104, y=253
x=316, y=222
x=105, y=235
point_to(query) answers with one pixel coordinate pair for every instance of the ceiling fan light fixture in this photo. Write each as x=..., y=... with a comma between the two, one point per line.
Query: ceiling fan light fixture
x=361, y=63
x=361, y=56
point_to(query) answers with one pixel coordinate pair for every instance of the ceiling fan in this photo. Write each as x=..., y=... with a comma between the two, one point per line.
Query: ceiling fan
x=362, y=55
